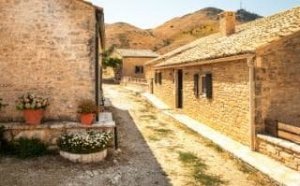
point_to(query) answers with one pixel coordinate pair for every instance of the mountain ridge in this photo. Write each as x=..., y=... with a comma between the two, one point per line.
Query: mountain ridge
x=173, y=33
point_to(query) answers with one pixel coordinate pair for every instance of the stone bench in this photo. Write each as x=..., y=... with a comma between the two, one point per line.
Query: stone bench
x=49, y=132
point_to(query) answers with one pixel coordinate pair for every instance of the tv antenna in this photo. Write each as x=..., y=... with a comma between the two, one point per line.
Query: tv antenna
x=241, y=4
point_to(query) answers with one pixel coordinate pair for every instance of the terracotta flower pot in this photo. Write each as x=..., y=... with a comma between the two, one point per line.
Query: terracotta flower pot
x=87, y=119
x=33, y=117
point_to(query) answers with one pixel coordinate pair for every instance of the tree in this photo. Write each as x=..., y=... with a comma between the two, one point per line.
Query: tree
x=112, y=62
x=109, y=61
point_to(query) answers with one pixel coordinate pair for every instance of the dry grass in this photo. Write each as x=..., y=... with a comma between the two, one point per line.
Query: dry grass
x=199, y=170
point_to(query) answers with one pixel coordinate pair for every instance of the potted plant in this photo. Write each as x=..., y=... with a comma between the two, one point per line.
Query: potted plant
x=84, y=147
x=87, y=110
x=33, y=108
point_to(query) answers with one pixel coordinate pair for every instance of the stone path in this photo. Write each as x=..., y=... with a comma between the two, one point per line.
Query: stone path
x=185, y=157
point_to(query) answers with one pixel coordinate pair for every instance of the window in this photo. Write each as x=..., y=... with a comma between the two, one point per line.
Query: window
x=206, y=85
x=196, y=85
x=139, y=69
x=158, y=78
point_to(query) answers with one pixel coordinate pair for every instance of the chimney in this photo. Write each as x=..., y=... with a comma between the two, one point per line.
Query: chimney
x=227, y=23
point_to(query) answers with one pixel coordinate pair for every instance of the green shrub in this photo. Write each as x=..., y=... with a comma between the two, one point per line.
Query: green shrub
x=25, y=148
x=87, y=107
x=1, y=133
x=1, y=137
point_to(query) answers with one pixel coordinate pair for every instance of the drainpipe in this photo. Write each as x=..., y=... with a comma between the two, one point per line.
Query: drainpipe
x=250, y=62
x=97, y=69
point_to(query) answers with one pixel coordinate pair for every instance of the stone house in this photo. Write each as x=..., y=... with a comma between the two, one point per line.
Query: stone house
x=243, y=81
x=133, y=61
x=51, y=48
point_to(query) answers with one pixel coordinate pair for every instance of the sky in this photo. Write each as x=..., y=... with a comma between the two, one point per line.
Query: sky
x=152, y=13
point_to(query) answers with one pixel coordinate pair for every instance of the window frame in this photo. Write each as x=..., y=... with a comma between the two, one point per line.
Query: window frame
x=197, y=87
x=205, y=87
x=139, y=69
x=158, y=78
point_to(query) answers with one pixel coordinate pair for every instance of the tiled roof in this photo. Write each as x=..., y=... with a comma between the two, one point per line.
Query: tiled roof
x=247, y=39
x=136, y=53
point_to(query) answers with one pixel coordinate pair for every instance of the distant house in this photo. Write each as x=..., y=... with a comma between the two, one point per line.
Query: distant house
x=50, y=48
x=133, y=61
x=243, y=82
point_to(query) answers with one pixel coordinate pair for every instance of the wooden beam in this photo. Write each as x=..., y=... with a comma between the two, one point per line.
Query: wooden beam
x=289, y=136
x=289, y=128
x=204, y=62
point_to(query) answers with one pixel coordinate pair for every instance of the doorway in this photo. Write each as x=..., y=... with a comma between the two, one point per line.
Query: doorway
x=152, y=86
x=179, y=91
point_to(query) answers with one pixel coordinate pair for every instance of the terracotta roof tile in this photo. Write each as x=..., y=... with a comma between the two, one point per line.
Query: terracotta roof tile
x=247, y=39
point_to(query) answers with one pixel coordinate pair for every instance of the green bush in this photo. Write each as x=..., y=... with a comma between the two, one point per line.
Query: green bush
x=25, y=148
x=1, y=137
x=87, y=107
x=1, y=133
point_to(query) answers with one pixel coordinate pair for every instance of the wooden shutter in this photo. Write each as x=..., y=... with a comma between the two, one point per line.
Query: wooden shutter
x=196, y=85
x=209, y=86
x=160, y=78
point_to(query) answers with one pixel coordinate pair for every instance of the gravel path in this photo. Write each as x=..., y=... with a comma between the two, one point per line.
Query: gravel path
x=155, y=150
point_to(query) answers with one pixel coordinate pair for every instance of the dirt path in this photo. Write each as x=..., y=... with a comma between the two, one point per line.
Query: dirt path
x=155, y=150
x=185, y=157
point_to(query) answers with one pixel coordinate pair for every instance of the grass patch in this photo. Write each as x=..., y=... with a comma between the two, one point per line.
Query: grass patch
x=163, y=131
x=187, y=157
x=244, y=167
x=154, y=138
x=148, y=117
x=199, y=169
x=204, y=140
x=211, y=144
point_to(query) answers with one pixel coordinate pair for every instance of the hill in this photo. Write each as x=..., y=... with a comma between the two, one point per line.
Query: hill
x=172, y=34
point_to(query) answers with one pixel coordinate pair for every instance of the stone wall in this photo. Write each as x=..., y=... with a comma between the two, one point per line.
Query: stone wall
x=50, y=132
x=281, y=150
x=166, y=91
x=278, y=82
x=228, y=110
x=47, y=47
x=129, y=63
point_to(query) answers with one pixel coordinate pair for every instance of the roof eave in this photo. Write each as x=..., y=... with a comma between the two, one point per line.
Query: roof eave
x=207, y=61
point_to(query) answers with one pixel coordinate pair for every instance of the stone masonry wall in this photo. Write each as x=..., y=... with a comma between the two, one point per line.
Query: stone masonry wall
x=289, y=155
x=228, y=110
x=129, y=64
x=166, y=91
x=278, y=82
x=47, y=47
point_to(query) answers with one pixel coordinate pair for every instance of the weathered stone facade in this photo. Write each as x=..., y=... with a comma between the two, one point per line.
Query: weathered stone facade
x=277, y=95
x=49, y=48
x=255, y=80
x=227, y=111
x=278, y=82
